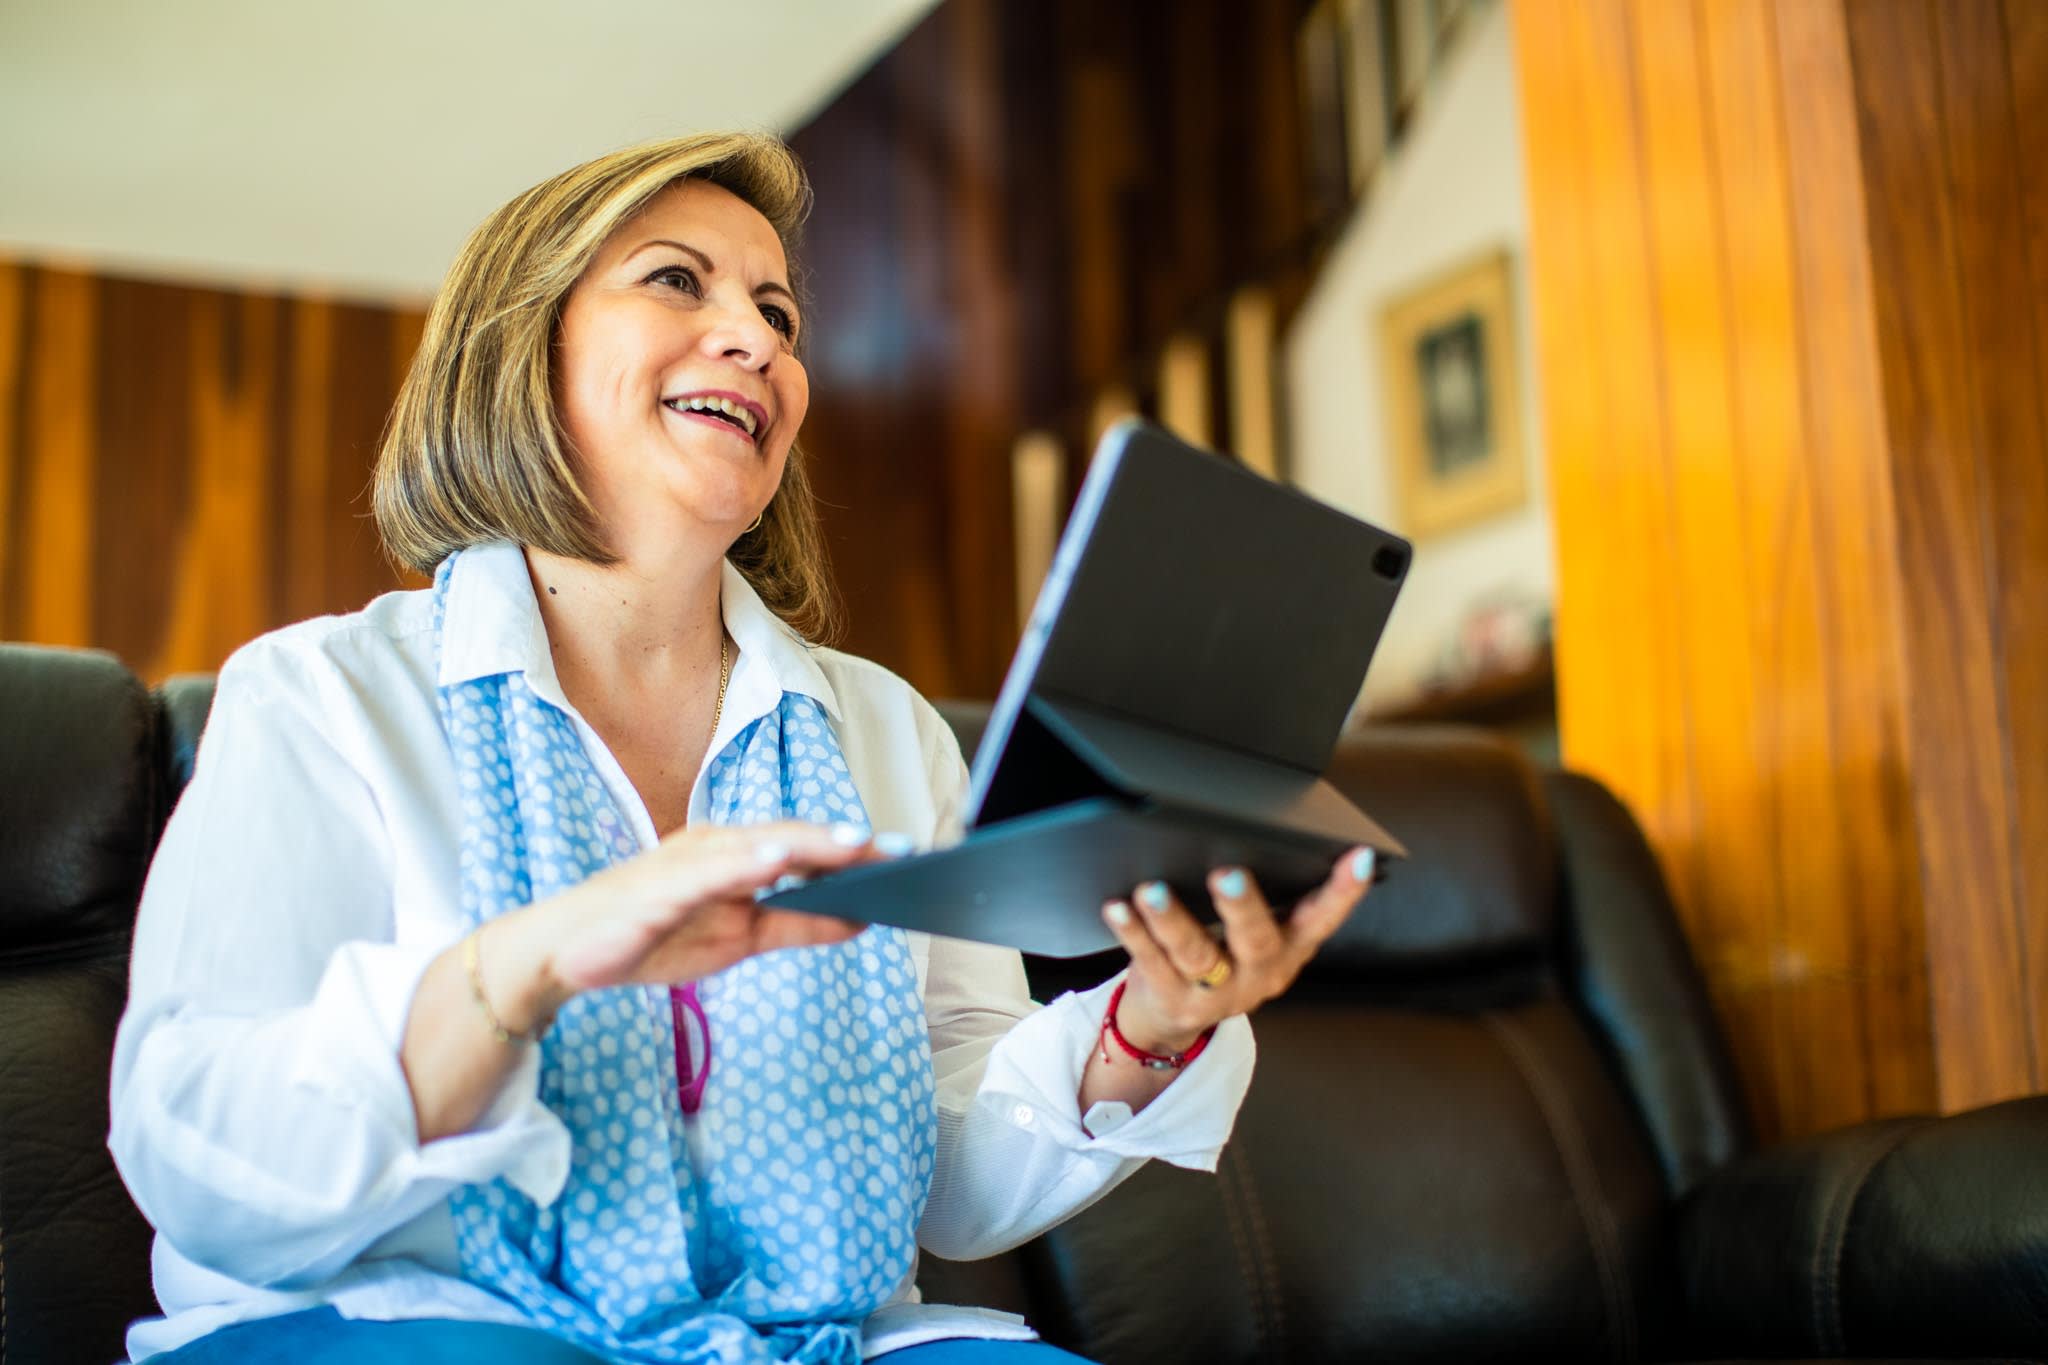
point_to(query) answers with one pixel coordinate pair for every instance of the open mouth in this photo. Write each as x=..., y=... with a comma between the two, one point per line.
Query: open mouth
x=736, y=415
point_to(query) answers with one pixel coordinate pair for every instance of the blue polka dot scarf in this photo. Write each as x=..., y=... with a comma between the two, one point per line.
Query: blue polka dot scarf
x=797, y=1217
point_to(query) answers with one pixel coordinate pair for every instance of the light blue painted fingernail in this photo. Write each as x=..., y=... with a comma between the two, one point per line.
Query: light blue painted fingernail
x=848, y=835
x=1117, y=913
x=771, y=852
x=1152, y=895
x=1232, y=884
x=1362, y=863
x=895, y=845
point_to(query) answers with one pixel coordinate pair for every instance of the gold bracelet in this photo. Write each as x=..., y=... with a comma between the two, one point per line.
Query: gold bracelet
x=471, y=965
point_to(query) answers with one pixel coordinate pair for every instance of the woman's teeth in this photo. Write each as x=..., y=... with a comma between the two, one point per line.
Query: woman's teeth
x=720, y=407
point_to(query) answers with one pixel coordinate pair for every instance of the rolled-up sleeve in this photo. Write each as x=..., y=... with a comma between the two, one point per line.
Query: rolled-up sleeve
x=1015, y=1155
x=261, y=1118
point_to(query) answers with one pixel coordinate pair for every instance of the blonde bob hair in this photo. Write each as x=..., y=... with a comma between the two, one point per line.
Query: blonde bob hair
x=473, y=451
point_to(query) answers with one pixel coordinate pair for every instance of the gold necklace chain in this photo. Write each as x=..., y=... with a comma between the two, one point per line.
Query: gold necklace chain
x=724, y=676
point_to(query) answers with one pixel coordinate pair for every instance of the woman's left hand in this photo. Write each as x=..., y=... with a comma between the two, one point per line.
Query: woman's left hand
x=1183, y=982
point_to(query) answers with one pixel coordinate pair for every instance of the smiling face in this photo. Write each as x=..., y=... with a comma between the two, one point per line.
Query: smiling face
x=676, y=379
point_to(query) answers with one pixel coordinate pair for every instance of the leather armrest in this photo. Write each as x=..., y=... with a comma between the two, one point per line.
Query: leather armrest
x=1899, y=1236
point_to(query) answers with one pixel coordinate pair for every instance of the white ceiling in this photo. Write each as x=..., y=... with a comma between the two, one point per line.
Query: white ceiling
x=348, y=148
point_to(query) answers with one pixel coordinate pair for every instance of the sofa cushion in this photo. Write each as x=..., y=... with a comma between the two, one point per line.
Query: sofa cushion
x=78, y=818
x=74, y=1252
x=1627, y=962
x=1446, y=792
x=1402, y=1184
x=185, y=701
x=1909, y=1235
x=78, y=801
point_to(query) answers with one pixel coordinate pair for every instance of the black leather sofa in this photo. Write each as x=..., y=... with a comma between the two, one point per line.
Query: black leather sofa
x=1495, y=1120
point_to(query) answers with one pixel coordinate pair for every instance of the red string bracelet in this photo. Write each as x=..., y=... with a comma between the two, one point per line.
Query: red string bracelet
x=1157, y=1061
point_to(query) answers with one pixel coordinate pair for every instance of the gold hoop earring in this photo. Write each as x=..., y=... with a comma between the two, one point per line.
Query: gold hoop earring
x=757, y=523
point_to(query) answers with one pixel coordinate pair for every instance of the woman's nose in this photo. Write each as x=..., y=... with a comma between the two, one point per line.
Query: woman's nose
x=740, y=333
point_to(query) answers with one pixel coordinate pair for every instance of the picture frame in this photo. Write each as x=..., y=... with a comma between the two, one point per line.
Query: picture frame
x=1453, y=399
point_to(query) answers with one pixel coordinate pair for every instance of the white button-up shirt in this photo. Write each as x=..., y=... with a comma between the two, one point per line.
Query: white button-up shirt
x=309, y=875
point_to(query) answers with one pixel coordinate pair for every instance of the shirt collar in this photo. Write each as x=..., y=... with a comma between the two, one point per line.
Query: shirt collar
x=493, y=625
x=773, y=658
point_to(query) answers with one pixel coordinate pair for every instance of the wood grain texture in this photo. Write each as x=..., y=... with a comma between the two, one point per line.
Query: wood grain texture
x=1796, y=430
x=1781, y=973
x=1995, y=134
x=146, y=421
x=13, y=319
x=1705, y=553
x=54, y=566
x=877, y=433
x=304, y=509
x=1649, y=710
x=2023, y=539
x=1863, y=794
x=220, y=565
x=980, y=546
x=1017, y=209
x=182, y=469
x=1946, y=265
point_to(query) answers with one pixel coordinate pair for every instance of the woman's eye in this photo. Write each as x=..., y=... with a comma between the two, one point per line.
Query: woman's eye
x=681, y=277
x=780, y=320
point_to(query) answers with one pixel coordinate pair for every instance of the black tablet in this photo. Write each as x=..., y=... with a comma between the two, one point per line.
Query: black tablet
x=1200, y=638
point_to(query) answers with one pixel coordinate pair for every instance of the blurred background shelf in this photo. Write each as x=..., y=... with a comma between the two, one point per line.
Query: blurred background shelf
x=1519, y=702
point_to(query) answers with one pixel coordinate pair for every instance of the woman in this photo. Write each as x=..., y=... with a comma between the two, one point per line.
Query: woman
x=455, y=1029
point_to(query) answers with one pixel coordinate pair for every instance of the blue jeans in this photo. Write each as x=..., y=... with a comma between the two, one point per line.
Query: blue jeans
x=321, y=1336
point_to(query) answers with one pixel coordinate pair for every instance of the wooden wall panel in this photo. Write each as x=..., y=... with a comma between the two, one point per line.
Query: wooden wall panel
x=1940, y=155
x=1632, y=511
x=362, y=380
x=1016, y=209
x=220, y=567
x=1994, y=139
x=146, y=418
x=2022, y=531
x=181, y=468
x=978, y=292
x=304, y=506
x=1723, y=549
x=1798, y=474
x=56, y=461
x=878, y=359
x=1704, y=555
x=13, y=339
x=1859, y=792
x=1779, y=661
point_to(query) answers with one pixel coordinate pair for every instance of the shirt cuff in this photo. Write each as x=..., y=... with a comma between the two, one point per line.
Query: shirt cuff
x=517, y=1137
x=1034, y=1074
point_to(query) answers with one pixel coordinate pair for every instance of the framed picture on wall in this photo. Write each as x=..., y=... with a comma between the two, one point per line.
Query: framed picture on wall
x=1452, y=400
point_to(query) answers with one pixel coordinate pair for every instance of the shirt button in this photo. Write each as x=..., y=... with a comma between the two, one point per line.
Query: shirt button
x=1022, y=1116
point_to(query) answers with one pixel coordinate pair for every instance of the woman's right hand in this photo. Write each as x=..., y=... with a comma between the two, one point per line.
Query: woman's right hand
x=680, y=911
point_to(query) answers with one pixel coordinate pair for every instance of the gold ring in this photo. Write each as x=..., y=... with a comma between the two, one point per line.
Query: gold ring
x=1217, y=974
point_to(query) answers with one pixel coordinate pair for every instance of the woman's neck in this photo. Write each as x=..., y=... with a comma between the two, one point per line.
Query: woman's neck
x=648, y=621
